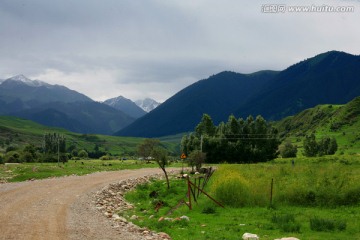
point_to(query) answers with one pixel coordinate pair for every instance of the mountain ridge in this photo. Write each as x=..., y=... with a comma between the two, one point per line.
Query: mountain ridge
x=330, y=77
x=58, y=106
x=147, y=104
x=126, y=105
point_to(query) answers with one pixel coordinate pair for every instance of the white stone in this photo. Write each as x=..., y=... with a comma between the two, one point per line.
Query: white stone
x=250, y=236
x=134, y=217
x=185, y=218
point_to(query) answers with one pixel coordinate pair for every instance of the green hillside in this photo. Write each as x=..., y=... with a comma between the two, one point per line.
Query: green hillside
x=19, y=132
x=339, y=121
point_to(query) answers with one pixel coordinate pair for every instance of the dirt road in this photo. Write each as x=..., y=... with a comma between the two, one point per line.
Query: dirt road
x=60, y=208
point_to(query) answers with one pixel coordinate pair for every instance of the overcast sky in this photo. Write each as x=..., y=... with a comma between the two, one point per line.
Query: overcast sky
x=155, y=48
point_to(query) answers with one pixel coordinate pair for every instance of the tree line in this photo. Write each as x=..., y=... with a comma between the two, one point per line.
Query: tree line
x=235, y=141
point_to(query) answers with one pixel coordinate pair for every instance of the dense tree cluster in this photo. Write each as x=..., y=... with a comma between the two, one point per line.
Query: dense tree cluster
x=326, y=146
x=54, y=147
x=236, y=141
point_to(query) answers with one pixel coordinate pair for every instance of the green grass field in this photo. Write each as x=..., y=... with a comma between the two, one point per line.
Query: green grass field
x=316, y=199
x=19, y=132
x=28, y=171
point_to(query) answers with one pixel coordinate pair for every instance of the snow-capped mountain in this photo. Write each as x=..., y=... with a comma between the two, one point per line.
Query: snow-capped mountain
x=25, y=89
x=147, y=104
x=32, y=83
x=126, y=105
x=58, y=106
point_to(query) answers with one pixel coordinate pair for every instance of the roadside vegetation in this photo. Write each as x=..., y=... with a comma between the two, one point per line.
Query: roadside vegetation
x=299, y=177
x=314, y=198
x=32, y=171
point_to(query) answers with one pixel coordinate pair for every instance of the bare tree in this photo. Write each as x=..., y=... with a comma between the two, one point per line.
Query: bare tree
x=161, y=158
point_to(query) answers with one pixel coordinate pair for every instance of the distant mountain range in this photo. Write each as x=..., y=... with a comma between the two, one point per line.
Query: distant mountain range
x=34, y=92
x=147, y=104
x=332, y=77
x=58, y=106
x=329, y=78
x=127, y=106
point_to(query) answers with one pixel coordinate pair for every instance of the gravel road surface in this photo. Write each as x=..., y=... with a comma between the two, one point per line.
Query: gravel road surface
x=60, y=208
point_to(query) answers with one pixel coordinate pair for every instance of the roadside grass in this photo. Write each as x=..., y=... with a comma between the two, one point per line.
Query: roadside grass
x=317, y=199
x=29, y=171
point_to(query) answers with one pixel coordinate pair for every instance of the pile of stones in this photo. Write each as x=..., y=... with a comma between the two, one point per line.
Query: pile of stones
x=110, y=201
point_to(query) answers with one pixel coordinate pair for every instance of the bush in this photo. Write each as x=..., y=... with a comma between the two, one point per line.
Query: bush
x=323, y=225
x=11, y=148
x=288, y=150
x=106, y=157
x=27, y=157
x=2, y=159
x=12, y=157
x=231, y=189
x=286, y=223
x=83, y=154
x=209, y=210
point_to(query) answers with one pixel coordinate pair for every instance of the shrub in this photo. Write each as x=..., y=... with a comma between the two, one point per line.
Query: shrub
x=12, y=157
x=231, y=189
x=83, y=154
x=288, y=150
x=11, y=148
x=1, y=159
x=106, y=157
x=209, y=210
x=286, y=222
x=28, y=157
x=323, y=225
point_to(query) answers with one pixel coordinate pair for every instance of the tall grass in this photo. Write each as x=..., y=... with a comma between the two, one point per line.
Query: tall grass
x=327, y=184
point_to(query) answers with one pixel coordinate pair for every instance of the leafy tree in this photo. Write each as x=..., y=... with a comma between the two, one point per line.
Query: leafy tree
x=54, y=144
x=310, y=146
x=146, y=148
x=333, y=146
x=83, y=154
x=96, y=153
x=11, y=148
x=196, y=159
x=160, y=156
x=190, y=143
x=2, y=159
x=327, y=146
x=250, y=140
x=74, y=152
x=12, y=157
x=288, y=150
x=205, y=127
x=29, y=153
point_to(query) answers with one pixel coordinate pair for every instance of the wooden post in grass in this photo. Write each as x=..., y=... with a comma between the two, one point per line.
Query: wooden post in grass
x=189, y=192
x=271, y=191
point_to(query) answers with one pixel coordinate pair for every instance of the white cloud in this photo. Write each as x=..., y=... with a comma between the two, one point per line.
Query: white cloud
x=155, y=48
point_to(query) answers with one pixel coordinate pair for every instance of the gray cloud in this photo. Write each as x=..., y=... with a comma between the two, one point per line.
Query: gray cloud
x=154, y=48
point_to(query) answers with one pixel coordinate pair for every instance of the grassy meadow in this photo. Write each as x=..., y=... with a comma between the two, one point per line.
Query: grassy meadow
x=31, y=171
x=315, y=199
x=20, y=132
